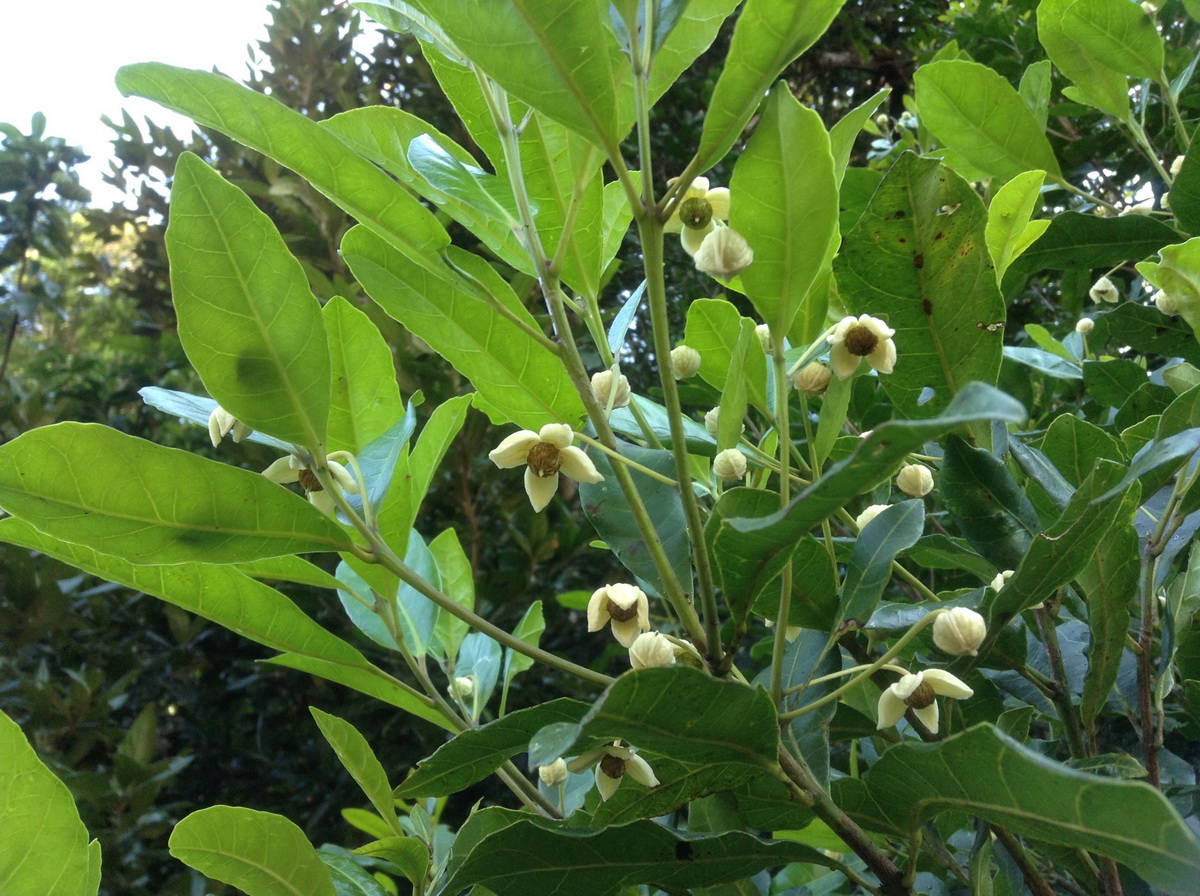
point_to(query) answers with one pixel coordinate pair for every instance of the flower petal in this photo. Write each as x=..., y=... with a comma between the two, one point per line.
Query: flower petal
x=943, y=682
x=342, y=477
x=843, y=363
x=891, y=709
x=540, y=489
x=513, y=451
x=586, y=760
x=639, y=769
x=718, y=198
x=597, y=609
x=576, y=464
x=557, y=434
x=928, y=716
x=606, y=785
x=693, y=237
x=626, y=632
x=322, y=500
x=282, y=471
x=883, y=358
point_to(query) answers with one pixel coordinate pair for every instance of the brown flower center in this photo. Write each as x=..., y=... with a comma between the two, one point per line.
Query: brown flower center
x=613, y=766
x=544, y=459
x=620, y=613
x=860, y=341
x=695, y=212
x=921, y=697
x=309, y=480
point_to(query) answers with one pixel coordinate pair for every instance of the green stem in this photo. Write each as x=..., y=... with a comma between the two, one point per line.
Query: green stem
x=1181, y=133
x=622, y=459
x=1061, y=689
x=783, y=429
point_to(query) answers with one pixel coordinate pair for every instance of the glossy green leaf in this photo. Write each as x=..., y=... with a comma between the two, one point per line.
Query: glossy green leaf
x=741, y=579
x=457, y=580
x=289, y=568
x=266, y=125
x=978, y=114
x=260, y=853
x=918, y=257
x=349, y=878
x=786, y=207
x=529, y=630
x=515, y=374
x=870, y=566
x=494, y=846
x=1035, y=90
x=247, y=319
x=242, y=605
x=769, y=35
x=408, y=854
x=365, y=398
x=807, y=735
x=873, y=461
x=1169, y=453
x=474, y=754
x=713, y=326
x=731, y=412
x=1009, y=230
x=46, y=846
x=693, y=33
x=89, y=484
x=1041, y=471
x=681, y=784
x=1052, y=365
x=843, y=134
x=1146, y=330
x=357, y=757
x=1126, y=820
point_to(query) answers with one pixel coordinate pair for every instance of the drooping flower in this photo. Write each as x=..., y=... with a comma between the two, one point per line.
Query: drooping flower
x=602, y=384
x=699, y=211
x=724, y=253
x=1084, y=325
x=612, y=763
x=291, y=469
x=625, y=606
x=554, y=774
x=546, y=453
x=915, y=480
x=685, y=361
x=918, y=691
x=959, y=632
x=729, y=465
x=650, y=649
x=221, y=423
x=813, y=379
x=869, y=514
x=856, y=338
x=1103, y=290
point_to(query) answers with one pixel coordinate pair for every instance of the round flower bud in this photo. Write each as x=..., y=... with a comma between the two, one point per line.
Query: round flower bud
x=729, y=465
x=869, y=514
x=915, y=480
x=959, y=632
x=554, y=774
x=651, y=649
x=685, y=361
x=712, y=421
x=1084, y=325
x=763, y=332
x=462, y=687
x=1166, y=303
x=1103, y=290
x=602, y=384
x=813, y=379
x=883, y=122
x=724, y=254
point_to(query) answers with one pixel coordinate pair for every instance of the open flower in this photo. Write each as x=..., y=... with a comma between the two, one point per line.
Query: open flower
x=222, y=423
x=292, y=469
x=856, y=338
x=546, y=453
x=698, y=212
x=612, y=764
x=1103, y=290
x=959, y=631
x=919, y=691
x=625, y=606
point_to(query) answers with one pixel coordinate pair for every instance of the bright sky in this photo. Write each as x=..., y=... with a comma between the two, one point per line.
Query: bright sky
x=60, y=58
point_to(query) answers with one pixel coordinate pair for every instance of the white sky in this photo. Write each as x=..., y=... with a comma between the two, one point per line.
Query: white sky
x=60, y=58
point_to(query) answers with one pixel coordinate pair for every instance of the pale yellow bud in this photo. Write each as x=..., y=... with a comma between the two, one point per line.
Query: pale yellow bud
x=602, y=384
x=915, y=480
x=1166, y=303
x=763, y=332
x=1177, y=165
x=712, y=421
x=869, y=514
x=651, y=649
x=813, y=379
x=462, y=687
x=1084, y=325
x=729, y=465
x=554, y=774
x=685, y=361
x=724, y=254
x=959, y=632
x=1001, y=580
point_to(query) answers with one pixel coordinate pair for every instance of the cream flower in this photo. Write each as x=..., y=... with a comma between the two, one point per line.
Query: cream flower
x=291, y=469
x=1084, y=325
x=959, y=632
x=763, y=332
x=546, y=453
x=685, y=361
x=918, y=691
x=612, y=764
x=698, y=212
x=729, y=465
x=1103, y=290
x=915, y=480
x=1001, y=580
x=855, y=338
x=1165, y=302
x=222, y=423
x=712, y=422
x=869, y=514
x=625, y=606
x=554, y=774
x=650, y=649
x=812, y=379
x=602, y=384
x=724, y=253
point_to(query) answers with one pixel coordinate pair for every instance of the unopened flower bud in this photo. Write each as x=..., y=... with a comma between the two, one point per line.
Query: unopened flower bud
x=813, y=379
x=712, y=421
x=1166, y=303
x=723, y=254
x=869, y=514
x=1177, y=165
x=883, y=122
x=602, y=384
x=1084, y=325
x=462, y=687
x=729, y=465
x=763, y=332
x=651, y=649
x=554, y=774
x=1001, y=580
x=685, y=361
x=1103, y=290
x=915, y=480
x=959, y=632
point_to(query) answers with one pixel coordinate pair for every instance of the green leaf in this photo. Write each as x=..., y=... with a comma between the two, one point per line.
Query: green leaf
x=713, y=326
x=978, y=114
x=89, y=484
x=1156, y=454
x=787, y=209
x=741, y=579
x=242, y=605
x=1146, y=330
x=516, y=375
x=408, y=854
x=1074, y=446
x=457, y=579
x=683, y=783
x=365, y=400
x=494, y=846
x=843, y=134
x=559, y=56
x=359, y=760
x=260, y=853
x=693, y=33
x=197, y=409
x=46, y=846
x=870, y=566
x=1185, y=194
x=266, y=125
x=247, y=319
x=1178, y=273
x=1029, y=795
x=477, y=752
x=290, y=568
x=1052, y=365
x=731, y=412
x=1035, y=90
x=349, y=878
x=919, y=256
x=1009, y=230
x=769, y=35
x=807, y=735
x=529, y=630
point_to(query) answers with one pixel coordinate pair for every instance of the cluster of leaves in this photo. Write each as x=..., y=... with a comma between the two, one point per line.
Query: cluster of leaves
x=1078, y=491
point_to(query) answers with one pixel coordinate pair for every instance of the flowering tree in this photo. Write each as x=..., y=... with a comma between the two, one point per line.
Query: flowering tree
x=828, y=688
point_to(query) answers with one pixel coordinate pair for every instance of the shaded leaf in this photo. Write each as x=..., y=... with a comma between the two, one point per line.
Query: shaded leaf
x=359, y=760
